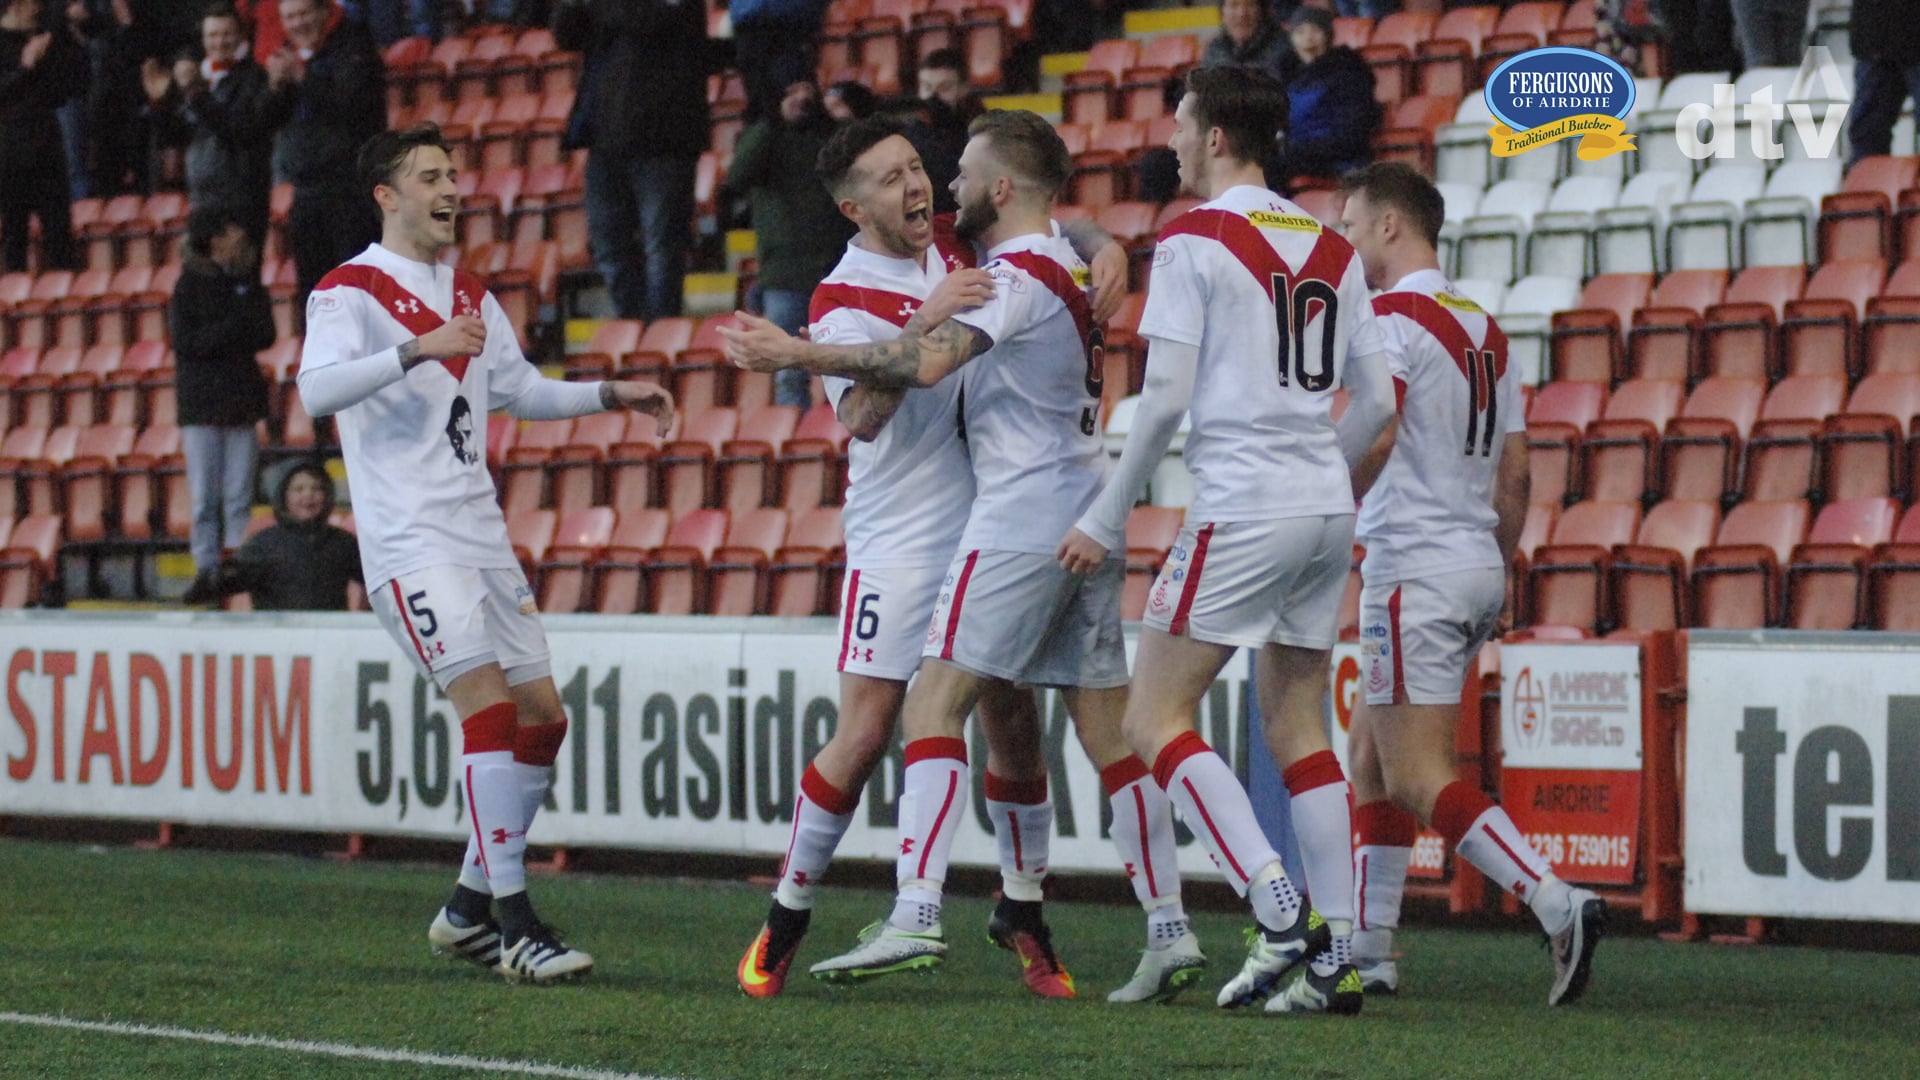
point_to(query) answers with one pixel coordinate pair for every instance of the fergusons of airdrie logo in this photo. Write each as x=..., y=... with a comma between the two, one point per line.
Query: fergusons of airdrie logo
x=1545, y=95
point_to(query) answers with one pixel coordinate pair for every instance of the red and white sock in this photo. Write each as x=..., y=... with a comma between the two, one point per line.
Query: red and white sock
x=1322, y=810
x=1383, y=848
x=1143, y=832
x=1022, y=816
x=1209, y=797
x=534, y=751
x=1486, y=837
x=931, y=801
x=820, y=818
x=495, y=801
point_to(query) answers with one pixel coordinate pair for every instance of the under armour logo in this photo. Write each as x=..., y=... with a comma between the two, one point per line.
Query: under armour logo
x=906, y=310
x=856, y=654
x=800, y=878
x=906, y=846
x=1130, y=870
x=407, y=307
x=1520, y=890
x=501, y=836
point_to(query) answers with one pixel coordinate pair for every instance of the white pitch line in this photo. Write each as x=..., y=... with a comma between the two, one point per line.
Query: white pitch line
x=340, y=1050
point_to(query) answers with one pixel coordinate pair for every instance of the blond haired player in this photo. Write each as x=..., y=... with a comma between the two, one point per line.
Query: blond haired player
x=1005, y=610
x=1440, y=524
x=1256, y=316
x=408, y=356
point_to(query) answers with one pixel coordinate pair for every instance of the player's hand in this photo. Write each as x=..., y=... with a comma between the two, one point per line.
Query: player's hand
x=642, y=397
x=154, y=79
x=758, y=345
x=1080, y=553
x=1108, y=273
x=962, y=290
x=462, y=335
x=35, y=50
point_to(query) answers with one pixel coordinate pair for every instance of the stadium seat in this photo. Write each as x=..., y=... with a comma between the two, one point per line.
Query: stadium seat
x=1586, y=342
x=1890, y=335
x=1817, y=333
x=745, y=469
x=1567, y=584
x=1492, y=245
x=531, y=533
x=1648, y=578
x=563, y=575
x=1407, y=134
x=1778, y=227
x=1823, y=582
x=1627, y=237
x=1660, y=344
x=1860, y=447
x=676, y=571
x=1736, y=581
x=617, y=585
x=27, y=560
x=737, y=571
x=523, y=470
x=812, y=463
x=1620, y=451
x=1737, y=338
x=1780, y=455
x=1556, y=424
x=1701, y=450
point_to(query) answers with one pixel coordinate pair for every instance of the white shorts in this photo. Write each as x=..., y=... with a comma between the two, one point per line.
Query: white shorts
x=1417, y=637
x=883, y=614
x=452, y=619
x=1253, y=583
x=1021, y=617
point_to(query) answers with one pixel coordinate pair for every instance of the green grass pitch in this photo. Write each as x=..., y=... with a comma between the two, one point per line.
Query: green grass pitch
x=308, y=949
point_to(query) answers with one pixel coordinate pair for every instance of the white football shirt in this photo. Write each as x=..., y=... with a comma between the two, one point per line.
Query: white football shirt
x=909, y=489
x=1032, y=401
x=416, y=450
x=1431, y=510
x=1277, y=306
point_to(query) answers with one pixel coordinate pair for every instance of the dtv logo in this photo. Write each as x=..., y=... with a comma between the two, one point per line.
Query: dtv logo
x=1764, y=115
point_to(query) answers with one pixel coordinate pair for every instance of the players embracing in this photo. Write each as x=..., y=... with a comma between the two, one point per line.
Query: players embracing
x=1024, y=371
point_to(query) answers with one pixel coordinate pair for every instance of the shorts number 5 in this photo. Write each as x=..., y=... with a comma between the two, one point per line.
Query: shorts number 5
x=413, y=605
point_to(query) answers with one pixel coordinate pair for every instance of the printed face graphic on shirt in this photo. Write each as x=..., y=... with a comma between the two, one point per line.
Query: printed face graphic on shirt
x=460, y=432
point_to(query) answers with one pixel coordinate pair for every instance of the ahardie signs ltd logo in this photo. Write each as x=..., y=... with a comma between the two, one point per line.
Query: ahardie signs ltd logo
x=1546, y=95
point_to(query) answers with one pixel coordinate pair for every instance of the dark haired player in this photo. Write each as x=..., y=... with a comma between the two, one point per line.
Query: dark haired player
x=402, y=351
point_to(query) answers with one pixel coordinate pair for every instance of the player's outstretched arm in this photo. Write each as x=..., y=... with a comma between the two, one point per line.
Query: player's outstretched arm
x=1171, y=367
x=906, y=361
x=1106, y=264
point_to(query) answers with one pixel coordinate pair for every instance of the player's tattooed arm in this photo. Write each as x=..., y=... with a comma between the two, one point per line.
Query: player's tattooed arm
x=909, y=360
x=410, y=357
x=865, y=410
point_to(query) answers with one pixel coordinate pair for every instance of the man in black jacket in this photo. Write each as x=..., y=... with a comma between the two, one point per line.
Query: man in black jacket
x=220, y=317
x=302, y=563
x=39, y=71
x=641, y=112
x=1885, y=39
x=218, y=107
x=330, y=91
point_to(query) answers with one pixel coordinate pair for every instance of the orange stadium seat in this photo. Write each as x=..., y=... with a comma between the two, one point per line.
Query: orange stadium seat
x=1620, y=451
x=1702, y=448
x=686, y=463
x=676, y=571
x=737, y=573
x=1648, y=578
x=563, y=574
x=1556, y=424
x=1860, y=447
x=1780, y=453
x=1568, y=577
x=745, y=469
x=813, y=463
x=1823, y=582
x=1736, y=581
x=1151, y=531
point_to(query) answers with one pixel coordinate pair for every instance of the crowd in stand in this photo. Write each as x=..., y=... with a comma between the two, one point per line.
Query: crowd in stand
x=104, y=97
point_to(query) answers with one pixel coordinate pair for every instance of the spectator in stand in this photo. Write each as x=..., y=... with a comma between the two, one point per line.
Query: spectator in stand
x=301, y=562
x=1331, y=111
x=40, y=69
x=1885, y=39
x=1373, y=9
x=220, y=317
x=939, y=130
x=850, y=100
x=801, y=231
x=268, y=35
x=1251, y=37
x=1698, y=33
x=1773, y=33
x=329, y=93
x=107, y=137
x=767, y=36
x=641, y=114
x=219, y=108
